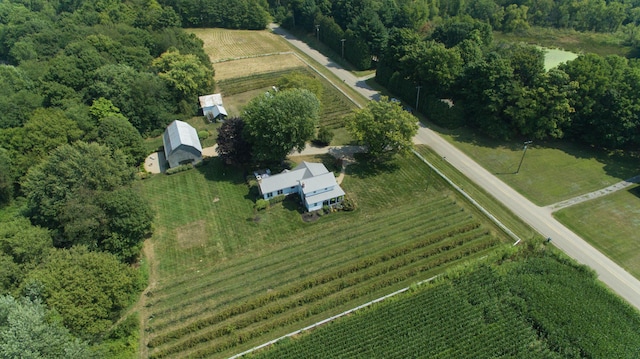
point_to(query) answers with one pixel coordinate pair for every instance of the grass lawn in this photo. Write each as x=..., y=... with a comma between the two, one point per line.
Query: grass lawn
x=611, y=224
x=551, y=171
x=217, y=257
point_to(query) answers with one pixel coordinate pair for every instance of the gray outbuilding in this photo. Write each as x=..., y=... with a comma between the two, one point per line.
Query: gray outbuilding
x=181, y=144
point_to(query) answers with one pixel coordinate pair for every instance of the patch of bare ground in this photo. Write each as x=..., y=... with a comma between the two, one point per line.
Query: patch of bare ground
x=191, y=235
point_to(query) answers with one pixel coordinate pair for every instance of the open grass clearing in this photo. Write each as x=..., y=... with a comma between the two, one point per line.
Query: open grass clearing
x=578, y=42
x=551, y=171
x=224, y=44
x=391, y=241
x=255, y=66
x=611, y=224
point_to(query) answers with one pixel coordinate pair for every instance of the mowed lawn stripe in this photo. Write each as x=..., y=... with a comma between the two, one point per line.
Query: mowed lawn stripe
x=241, y=287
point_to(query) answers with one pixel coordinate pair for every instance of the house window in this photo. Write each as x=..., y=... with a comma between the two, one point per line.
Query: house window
x=280, y=191
x=270, y=194
x=293, y=187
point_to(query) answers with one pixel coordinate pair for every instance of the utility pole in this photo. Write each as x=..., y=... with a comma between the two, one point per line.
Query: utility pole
x=524, y=152
x=318, y=33
x=418, y=97
x=342, y=41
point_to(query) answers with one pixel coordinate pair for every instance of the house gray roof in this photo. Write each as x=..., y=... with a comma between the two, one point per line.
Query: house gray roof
x=180, y=133
x=314, y=175
x=324, y=196
x=316, y=183
x=219, y=110
x=210, y=100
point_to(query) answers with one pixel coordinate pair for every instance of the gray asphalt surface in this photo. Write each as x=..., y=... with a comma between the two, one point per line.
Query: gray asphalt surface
x=614, y=276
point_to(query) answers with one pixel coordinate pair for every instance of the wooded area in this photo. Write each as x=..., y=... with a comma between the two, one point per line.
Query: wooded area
x=426, y=50
x=82, y=83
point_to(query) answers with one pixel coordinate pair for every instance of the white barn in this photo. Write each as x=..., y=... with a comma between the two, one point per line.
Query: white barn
x=212, y=107
x=316, y=186
x=181, y=144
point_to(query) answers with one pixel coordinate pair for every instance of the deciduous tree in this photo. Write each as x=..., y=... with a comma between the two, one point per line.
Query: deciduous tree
x=70, y=167
x=28, y=330
x=278, y=122
x=88, y=289
x=233, y=148
x=384, y=128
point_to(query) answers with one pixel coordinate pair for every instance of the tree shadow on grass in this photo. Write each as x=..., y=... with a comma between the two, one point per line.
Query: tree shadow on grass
x=214, y=170
x=635, y=191
x=366, y=166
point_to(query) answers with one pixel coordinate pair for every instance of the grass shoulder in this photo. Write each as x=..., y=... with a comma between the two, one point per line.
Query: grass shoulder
x=552, y=171
x=610, y=224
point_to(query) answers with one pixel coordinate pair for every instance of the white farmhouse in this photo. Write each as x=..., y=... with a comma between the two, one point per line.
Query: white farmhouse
x=181, y=144
x=315, y=184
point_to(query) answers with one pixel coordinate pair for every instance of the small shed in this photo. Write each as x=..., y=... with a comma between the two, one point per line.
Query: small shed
x=212, y=107
x=181, y=144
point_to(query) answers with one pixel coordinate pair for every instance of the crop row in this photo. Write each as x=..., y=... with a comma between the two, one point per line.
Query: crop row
x=263, y=299
x=410, y=326
x=326, y=291
x=335, y=300
x=322, y=249
x=317, y=244
x=443, y=233
x=243, y=84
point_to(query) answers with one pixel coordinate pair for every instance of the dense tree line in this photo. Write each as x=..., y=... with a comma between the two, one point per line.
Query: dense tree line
x=230, y=14
x=504, y=90
x=82, y=82
x=362, y=27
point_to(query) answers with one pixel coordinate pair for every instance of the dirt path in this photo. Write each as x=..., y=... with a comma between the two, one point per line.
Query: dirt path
x=150, y=256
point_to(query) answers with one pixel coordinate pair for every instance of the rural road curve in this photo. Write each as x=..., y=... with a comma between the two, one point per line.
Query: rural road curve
x=541, y=219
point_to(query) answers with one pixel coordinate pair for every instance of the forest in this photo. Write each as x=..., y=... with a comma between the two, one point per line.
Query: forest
x=425, y=51
x=84, y=82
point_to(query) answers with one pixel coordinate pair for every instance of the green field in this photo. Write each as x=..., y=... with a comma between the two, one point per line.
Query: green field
x=551, y=171
x=534, y=307
x=611, y=224
x=230, y=279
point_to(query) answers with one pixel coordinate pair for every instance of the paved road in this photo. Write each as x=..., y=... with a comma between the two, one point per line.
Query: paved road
x=539, y=218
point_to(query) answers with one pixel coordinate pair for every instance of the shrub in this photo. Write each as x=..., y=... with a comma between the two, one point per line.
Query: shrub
x=261, y=204
x=324, y=137
x=276, y=199
x=203, y=135
x=348, y=204
x=179, y=169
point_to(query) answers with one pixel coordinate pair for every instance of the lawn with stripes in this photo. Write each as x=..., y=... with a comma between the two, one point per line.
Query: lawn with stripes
x=231, y=278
